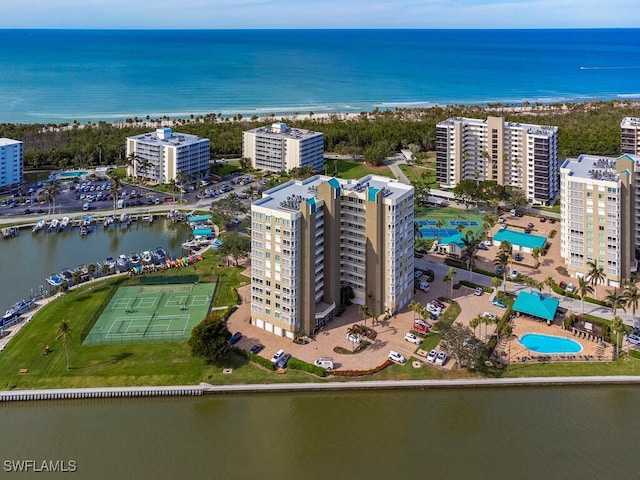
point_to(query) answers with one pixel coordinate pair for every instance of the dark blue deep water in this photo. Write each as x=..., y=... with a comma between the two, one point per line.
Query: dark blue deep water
x=65, y=75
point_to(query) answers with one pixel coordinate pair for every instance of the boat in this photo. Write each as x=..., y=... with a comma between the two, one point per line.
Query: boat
x=67, y=276
x=87, y=220
x=161, y=254
x=9, y=232
x=38, y=226
x=64, y=222
x=122, y=263
x=83, y=271
x=147, y=257
x=134, y=260
x=16, y=310
x=123, y=217
x=55, y=223
x=54, y=280
x=110, y=263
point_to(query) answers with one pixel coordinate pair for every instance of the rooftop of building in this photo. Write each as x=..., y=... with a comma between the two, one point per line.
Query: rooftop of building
x=595, y=167
x=289, y=195
x=8, y=141
x=278, y=130
x=166, y=136
x=630, y=122
x=529, y=127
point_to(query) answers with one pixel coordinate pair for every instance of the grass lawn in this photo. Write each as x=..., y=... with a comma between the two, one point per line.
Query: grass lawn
x=351, y=169
x=226, y=168
x=554, y=209
x=414, y=174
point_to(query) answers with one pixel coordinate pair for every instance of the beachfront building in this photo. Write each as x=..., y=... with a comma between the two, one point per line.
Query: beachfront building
x=11, y=162
x=162, y=156
x=598, y=223
x=278, y=148
x=316, y=240
x=630, y=136
x=513, y=154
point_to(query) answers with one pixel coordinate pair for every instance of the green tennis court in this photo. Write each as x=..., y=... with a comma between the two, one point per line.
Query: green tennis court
x=152, y=313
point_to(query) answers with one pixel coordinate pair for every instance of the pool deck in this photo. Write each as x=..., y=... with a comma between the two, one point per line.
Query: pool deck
x=592, y=349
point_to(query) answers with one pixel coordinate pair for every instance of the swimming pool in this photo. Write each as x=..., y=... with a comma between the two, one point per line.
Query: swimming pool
x=550, y=344
x=73, y=174
x=526, y=240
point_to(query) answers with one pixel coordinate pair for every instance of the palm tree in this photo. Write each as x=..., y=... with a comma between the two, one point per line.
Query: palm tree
x=91, y=269
x=50, y=193
x=416, y=230
x=416, y=307
x=64, y=333
x=489, y=220
x=475, y=323
x=116, y=183
x=615, y=300
x=595, y=275
x=550, y=282
x=439, y=224
x=76, y=277
x=449, y=278
x=502, y=260
x=631, y=298
x=364, y=311
x=617, y=326
x=505, y=246
x=535, y=253
x=495, y=283
x=583, y=290
x=469, y=255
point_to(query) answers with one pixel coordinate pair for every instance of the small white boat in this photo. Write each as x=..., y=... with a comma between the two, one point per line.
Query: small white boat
x=123, y=217
x=64, y=222
x=55, y=223
x=147, y=257
x=54, y=280
x=122, y=263
x=9, y=232
x=134, y=260
x=38, y=226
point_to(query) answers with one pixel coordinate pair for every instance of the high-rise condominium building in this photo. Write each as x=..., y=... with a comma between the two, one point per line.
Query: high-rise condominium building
x=513, y=154
x=163, y=156
x=314, y=241
x=630, y=136
x=598, y=224
x=11, y=160
x=278, y=148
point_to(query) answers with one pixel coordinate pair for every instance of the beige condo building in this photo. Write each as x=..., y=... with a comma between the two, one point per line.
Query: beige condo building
x=630, y=136
x=313, y=239
x=598, y=219
x=277, y=148
x=513, y=154
x=164, y=155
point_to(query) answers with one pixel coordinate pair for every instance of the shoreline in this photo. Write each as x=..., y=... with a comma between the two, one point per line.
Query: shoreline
x=525, y=107
x=208, y=389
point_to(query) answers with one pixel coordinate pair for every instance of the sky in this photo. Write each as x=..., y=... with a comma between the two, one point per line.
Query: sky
x=240, y=14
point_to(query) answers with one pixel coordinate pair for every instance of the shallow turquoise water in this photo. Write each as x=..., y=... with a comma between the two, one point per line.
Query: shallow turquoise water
x=540, y=343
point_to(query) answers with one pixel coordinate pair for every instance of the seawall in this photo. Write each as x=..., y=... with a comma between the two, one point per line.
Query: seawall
x=106, y=392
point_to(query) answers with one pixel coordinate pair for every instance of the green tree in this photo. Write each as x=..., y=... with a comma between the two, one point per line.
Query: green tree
x=502, y=261
x=210, y=339
x=466, y=192
x=475, y=323
x=245, y=164
x=223, y=210
x=584, y=289
x=615, y=300
x=469, y=255
x=535, y=253
x=631, y=298
x=64, y=332
x=595, y=275
x=235, y=245
x=455, y=340
x=617, y=326
x=364, y=311
x=51, y=191
x=449, y=278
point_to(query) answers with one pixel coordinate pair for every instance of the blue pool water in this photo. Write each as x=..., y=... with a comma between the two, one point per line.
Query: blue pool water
x=72, y=174
x=539, y=343
x=526, y=240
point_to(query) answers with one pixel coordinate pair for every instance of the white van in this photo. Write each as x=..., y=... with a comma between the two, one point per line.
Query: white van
x=324, y=362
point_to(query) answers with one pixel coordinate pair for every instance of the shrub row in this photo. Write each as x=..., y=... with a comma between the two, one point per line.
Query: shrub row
x=361, y=373
x=455, y=263
x=559, y=291
x=252, y=357
x=297, y=364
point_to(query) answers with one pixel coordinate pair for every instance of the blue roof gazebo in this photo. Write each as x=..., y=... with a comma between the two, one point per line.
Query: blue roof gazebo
x=536, y=305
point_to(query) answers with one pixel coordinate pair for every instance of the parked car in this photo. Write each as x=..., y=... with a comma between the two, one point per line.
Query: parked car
x=421, y=326
x=482, y=246
x=563, y=285
x=418, y=273
x=478, y=291
x=256, y=348
x=552, y=220
x=499, y=270
x=396, y=357
x=514, y=274
x=527, y=230
x=424, y=286
x=543, y=219
x=324, y=362
x=438, y=303
x=277, y=355
x=518, y=257
x=489, y=315
x=441, y=359
x=498, y=303
x=235, y=338
x=635, y=339
x=411, y=338
x=353, y=338
x=501, y=220
x=431, y=357
x=570, y=288
x=283, y=360
x=503, y=226
x=487, y=242
x=431, y=308
x=529, y=225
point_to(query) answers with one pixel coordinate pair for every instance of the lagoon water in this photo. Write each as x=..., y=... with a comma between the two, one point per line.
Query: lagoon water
x=66, y=75
x=25, y=261
x=523, y=433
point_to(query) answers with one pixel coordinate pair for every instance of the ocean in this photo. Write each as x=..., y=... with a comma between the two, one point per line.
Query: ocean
x=58, y=76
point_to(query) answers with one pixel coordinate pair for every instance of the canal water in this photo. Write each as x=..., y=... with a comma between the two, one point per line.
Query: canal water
x=26, y=260
x=520, y=433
